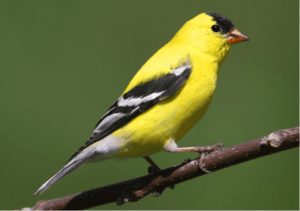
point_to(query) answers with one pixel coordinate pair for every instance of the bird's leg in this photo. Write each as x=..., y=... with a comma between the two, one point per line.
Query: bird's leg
x=153, y=169
x=173, y=147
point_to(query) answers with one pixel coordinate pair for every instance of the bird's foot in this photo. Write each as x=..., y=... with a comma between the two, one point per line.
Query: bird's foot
x=153, y=170
x=157, y=193
x=128, y=195
x=208, y=149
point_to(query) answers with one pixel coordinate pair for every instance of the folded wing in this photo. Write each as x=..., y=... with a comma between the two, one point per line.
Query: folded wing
x=136, y=101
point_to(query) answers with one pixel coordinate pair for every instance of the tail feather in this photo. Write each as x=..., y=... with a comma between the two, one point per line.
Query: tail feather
x=68, y=168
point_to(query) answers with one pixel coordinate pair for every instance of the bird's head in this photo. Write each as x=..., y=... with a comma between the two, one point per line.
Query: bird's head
x=223, y=29
x=211, y=33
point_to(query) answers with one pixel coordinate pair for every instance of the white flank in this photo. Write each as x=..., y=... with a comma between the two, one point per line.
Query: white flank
x=107, y=148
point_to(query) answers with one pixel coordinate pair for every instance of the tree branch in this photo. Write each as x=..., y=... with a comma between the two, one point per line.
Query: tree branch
x=136, y=189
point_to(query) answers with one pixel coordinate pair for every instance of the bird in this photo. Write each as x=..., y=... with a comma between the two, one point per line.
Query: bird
x=168, y=95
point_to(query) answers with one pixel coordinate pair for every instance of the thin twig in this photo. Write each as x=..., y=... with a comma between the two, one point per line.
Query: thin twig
x=136, y=189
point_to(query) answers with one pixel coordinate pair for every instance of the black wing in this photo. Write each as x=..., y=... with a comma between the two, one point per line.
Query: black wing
x=136, y=101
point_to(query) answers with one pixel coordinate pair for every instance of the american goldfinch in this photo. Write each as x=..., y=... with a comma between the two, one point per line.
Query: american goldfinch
x=165, y=99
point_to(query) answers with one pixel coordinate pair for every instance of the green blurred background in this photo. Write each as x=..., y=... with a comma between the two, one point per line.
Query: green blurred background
x=63, y=63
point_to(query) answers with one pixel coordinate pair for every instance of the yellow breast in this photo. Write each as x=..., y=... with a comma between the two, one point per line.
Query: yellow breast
x=174, y=116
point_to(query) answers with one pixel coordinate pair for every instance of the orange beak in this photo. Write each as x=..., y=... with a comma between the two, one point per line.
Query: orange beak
x=235, y=36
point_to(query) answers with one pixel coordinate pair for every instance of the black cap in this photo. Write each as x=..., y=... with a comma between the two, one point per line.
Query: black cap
x=225, y=24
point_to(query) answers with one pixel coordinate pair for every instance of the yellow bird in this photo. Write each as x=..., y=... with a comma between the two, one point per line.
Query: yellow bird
x=165, y=99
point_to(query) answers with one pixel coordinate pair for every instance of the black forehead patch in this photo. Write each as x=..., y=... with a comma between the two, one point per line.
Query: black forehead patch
x=225, y=24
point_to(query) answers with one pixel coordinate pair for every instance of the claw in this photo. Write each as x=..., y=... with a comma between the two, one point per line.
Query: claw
x=153, y=170
x=201, y=163
x=207, y=150
x=128, y=195
x=157, y=193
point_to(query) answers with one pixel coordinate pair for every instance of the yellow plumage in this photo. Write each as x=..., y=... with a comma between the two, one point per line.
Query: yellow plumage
x=176, y=115
x=165, y=99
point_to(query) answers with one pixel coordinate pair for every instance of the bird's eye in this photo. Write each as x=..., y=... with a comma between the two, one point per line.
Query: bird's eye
x=215, y=28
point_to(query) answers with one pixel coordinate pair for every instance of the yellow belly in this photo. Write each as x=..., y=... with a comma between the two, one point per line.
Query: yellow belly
x=172, y=117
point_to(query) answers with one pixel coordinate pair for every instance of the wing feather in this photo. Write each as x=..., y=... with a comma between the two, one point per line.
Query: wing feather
x=136, y=101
